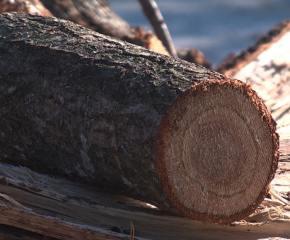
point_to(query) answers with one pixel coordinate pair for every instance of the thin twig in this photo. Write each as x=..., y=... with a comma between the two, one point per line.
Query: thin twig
x=153, y=13
x=273, y=193
x=132, y=232
x=6, y=197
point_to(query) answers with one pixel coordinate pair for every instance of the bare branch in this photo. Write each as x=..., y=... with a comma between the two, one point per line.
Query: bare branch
x=153, y=13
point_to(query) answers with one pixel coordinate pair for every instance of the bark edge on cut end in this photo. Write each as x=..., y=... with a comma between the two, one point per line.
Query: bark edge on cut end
x=217, y=151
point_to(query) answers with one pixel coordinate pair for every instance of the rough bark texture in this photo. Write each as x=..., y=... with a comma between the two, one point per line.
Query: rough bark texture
x=96, y=15
x=78, y=103
x=60, y=79
x=84, y=12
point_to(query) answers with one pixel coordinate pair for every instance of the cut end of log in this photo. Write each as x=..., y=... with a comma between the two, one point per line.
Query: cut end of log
x=217, y=151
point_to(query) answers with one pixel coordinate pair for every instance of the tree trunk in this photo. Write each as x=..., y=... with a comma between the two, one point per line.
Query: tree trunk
x=91, y=107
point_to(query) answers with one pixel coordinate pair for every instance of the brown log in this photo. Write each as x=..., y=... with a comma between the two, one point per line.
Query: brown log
x=84, y=12
x=96, y=15
x=25, y=6
x=194, y=56
x=93, y=14
x=91, y=107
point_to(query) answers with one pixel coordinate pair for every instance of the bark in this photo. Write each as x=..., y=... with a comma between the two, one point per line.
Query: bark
x=91, y=107
x=84, y=12
x=96, y=15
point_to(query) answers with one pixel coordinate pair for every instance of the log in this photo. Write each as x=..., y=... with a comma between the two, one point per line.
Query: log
x=33, y=7
x=93, y=14
x=96, y=15
x=194, y=56
x=173, y=134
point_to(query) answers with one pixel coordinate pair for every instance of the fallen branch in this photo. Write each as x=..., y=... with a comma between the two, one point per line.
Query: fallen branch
x=153, y=13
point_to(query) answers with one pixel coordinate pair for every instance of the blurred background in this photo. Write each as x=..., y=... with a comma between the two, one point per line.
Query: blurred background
x=216, y=27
